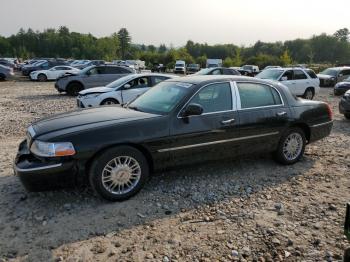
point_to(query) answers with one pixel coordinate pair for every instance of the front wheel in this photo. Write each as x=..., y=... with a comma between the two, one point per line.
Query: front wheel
x=309, y=94
x=42, y=78
x=73, y=89
x=119, y=173
x=291, y=146
x=109, y=101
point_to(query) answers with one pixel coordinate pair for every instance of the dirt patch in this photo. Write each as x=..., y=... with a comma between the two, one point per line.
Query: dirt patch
x=244, y=209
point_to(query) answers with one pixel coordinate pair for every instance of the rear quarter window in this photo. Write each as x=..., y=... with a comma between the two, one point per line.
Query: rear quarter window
x=311, y=73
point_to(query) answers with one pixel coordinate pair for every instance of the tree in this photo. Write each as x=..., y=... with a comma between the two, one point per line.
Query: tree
x=228, y=62
x=342, y=34
x=285, y=58
x=124, y=42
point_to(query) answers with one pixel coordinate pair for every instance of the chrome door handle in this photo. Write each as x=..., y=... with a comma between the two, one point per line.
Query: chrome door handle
x=227, y=122
x=281, y=113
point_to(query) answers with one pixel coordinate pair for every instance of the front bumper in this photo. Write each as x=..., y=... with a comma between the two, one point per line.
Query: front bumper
x=344, y=106
x=42, y=175
x=327, y=82
x=87, y=102
x=340, y=90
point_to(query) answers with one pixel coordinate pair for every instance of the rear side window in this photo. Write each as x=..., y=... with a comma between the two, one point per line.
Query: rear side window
x=298, y=75
x=311, y=73
x=214, y=98
x=346, y=72
x=257, y=95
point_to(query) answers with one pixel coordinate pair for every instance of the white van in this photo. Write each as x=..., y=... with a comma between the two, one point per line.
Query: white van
x=180, y=67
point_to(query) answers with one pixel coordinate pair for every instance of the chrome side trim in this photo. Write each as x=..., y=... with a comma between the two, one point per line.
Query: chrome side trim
x=216, y=142
x=323, y=124
x=36, y=168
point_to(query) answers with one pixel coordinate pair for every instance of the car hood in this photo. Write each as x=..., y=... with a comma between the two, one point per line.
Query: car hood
x=84, y=119
x=101, y=89
x=322, y=76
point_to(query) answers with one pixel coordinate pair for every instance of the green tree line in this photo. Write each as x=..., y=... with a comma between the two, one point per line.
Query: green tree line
x=323, y=48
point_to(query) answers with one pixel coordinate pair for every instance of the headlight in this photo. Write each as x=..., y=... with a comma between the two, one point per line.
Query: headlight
x=45, y=149
x=347, y=95
x=90, y=96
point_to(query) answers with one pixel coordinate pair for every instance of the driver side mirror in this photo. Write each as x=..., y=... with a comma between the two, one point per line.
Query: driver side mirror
x=192, y=110
x=284, y=78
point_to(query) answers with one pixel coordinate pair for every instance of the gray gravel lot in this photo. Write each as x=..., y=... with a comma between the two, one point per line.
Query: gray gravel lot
x=248, y=209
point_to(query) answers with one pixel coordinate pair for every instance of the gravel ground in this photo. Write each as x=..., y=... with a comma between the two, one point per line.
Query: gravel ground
x=249, y=209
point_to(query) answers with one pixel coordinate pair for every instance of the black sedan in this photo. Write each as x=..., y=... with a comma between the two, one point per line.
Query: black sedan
x=218, y=71
x=180, y=121
x=344, y=105
x=341, y=87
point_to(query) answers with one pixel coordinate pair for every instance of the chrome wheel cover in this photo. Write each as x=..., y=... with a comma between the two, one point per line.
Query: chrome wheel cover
x=292, y=146
x=121, y=175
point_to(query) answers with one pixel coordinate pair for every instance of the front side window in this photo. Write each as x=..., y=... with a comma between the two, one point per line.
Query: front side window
x=214, y=98
x=216, y=72
x=140, y=82
x=345, y=72
x=288, y=75
x=257, y=95
x=97, y=71
x=299, y=75
x=158, y=79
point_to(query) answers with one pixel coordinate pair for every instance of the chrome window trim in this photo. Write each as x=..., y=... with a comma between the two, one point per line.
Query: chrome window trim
x=252, y=82
x=215, y=142
x=233, y=108
x=36, y=168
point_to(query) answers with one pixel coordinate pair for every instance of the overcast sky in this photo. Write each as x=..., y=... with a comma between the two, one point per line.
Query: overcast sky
x=241, y=22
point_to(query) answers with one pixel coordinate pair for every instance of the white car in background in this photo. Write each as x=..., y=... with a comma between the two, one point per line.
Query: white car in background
x=300, y=81
x=121, y=91
x=52, y=73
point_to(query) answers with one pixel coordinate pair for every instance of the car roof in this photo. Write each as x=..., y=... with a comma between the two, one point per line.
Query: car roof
x=203, y=79
x=339, y=67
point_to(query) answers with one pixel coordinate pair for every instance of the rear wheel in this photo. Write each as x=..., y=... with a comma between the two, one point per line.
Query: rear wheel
x=2, y=77
x=309, y=93
x=119, y=173
x=42, y=78
x=109, y=101
x=291, y=146
x=74, y=88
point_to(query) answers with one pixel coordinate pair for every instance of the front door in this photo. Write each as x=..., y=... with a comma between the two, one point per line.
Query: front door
x=263, y=116
x=135, y=88
x=210, y=135
x=287, y=80
x=301, y=81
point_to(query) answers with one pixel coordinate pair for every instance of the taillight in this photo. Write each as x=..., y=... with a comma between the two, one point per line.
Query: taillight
x=330, y=112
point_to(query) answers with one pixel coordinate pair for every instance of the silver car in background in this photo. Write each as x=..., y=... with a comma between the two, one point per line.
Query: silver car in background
x=5, y=72
x=89, y=77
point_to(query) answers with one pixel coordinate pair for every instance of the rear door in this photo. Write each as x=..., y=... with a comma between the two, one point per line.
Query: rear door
x=263, y=116
x=210, y=135
x=301, y=81
x=135, y=88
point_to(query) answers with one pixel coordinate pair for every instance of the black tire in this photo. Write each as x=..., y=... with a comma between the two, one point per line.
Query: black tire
x=347, y=116
x=74, y=88
x=97, y=170
x=2, y=77
x=309, y=93
x=42, y=78
x=109, y=101
x=280, y=155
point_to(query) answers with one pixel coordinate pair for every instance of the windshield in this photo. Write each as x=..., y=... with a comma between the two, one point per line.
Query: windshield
x=162, y=98
x=120, y=81
x=330, y=72
x=272, y=74
x=180, y=65
x=204, y=71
